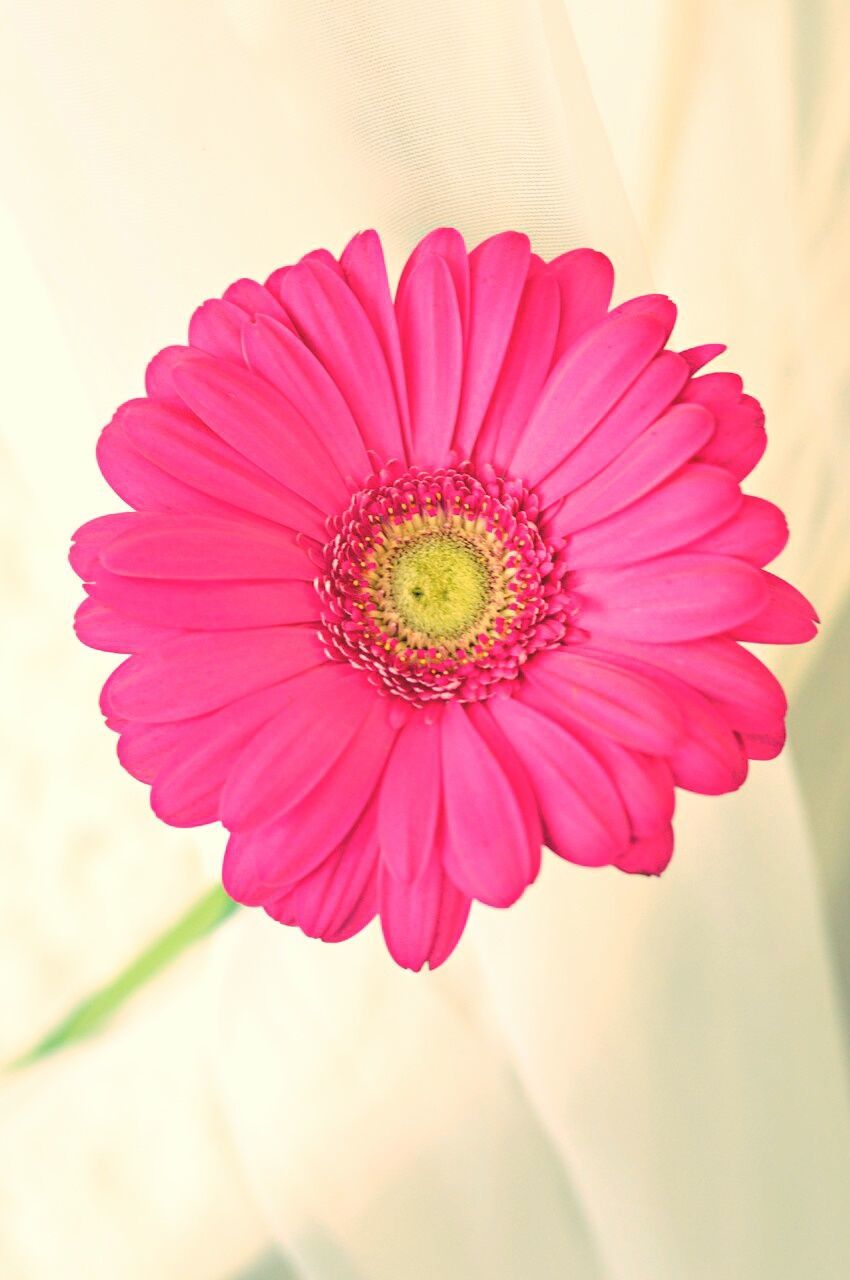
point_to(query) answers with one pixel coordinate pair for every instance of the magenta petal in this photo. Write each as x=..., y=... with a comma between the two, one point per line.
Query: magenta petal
x=657, y=453
x=697, y=357
x=605, y=698
x=422, y=920
x=675, y=597
x=765, y=745
x=100, y=627
x=254, y=299
x=410, y=802
x=323, y=902
x=216, y=328
x=335, y=327
x=278, y=355
x=649, y=395
x=141, y=484
x=447, y=244
x=322, y=710
x=159, y=375
x=718, y=668
x=693, y=502
x=585, y=282
x=583, y=816
x=247, y=413
x=648, y=856
x=282, y=852
x=363, y=264
x=432, y=347
x=709, y=759
x=176, y=442
x=580, y=390
x=498, y=268
x=756, y=533
x=657, y=305
x=207, y=606
x=524, y=371
x=205, y=547
x=187, y=789
x=193, y=674
x=785, y=618
x=488, y=854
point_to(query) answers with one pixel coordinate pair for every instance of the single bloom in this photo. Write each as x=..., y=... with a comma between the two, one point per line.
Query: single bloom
x=414, y=586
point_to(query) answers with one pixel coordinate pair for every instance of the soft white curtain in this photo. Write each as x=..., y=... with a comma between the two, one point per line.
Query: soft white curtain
x=617, y=1080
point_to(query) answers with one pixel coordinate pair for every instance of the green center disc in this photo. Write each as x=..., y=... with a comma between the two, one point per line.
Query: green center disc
x=439, y=585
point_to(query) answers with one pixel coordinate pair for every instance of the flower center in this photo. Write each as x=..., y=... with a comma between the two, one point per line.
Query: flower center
x=440, y=583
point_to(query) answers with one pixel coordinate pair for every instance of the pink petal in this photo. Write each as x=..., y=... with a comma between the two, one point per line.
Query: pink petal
x=322, y=711
x=205, y=548
x=254, y=299
x=412, y=914
x=177, y=443
x=648, y=396
x=649, y=460
x=694, y=501
x=585, y=281
x=90, y=539
x=489, y=854
x=580, y=390
x=446, y=243
x=766, y=745
x=657, y=305
x=498, y=268
x=216, y=328
x=524, y=371
x=208, y=606
x=718, y=668
x=675, y=597
x=284, y=851
x=323, y=902
x=601, y=696
x=785, y=618
x=583, y=816
x=143, y=749
x=410, y=802
x=432, y=346
x=756, y=533
x=644, y=784
x=709, y=759
x=102, y=628
x=196, y=673
x=257, y=421
x=363, y=913
x=739, y=437
x=363, y=264
x=335, y=327
x=187, y=789
x=697, y=357
x=648, y=856
x=278, y=355
x=141, y=484
x=159, y=381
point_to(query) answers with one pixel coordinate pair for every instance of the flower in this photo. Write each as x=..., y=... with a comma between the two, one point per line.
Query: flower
x=413, y=587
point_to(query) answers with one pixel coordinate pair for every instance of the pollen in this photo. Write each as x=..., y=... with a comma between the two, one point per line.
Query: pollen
x=440, y=584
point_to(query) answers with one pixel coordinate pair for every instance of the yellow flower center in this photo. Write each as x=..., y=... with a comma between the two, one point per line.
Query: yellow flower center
x=440, y=585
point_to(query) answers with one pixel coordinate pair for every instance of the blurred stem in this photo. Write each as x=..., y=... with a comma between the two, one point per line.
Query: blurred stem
x=205, y=915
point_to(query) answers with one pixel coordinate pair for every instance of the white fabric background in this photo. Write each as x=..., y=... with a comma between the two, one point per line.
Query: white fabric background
x=618, y=1079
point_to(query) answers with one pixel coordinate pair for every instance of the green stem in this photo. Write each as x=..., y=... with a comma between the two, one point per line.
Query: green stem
x=205, y=915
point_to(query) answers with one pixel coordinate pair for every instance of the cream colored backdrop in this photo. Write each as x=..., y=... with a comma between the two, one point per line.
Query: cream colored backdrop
x=617, y=1080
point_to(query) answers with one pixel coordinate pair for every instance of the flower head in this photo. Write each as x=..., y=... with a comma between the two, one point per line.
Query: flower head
x=413, y=586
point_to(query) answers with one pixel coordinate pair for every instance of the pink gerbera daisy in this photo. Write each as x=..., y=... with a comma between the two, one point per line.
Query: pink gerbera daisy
x=414, y=587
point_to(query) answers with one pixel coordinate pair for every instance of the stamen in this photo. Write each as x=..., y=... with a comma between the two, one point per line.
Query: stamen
x=440, y=583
